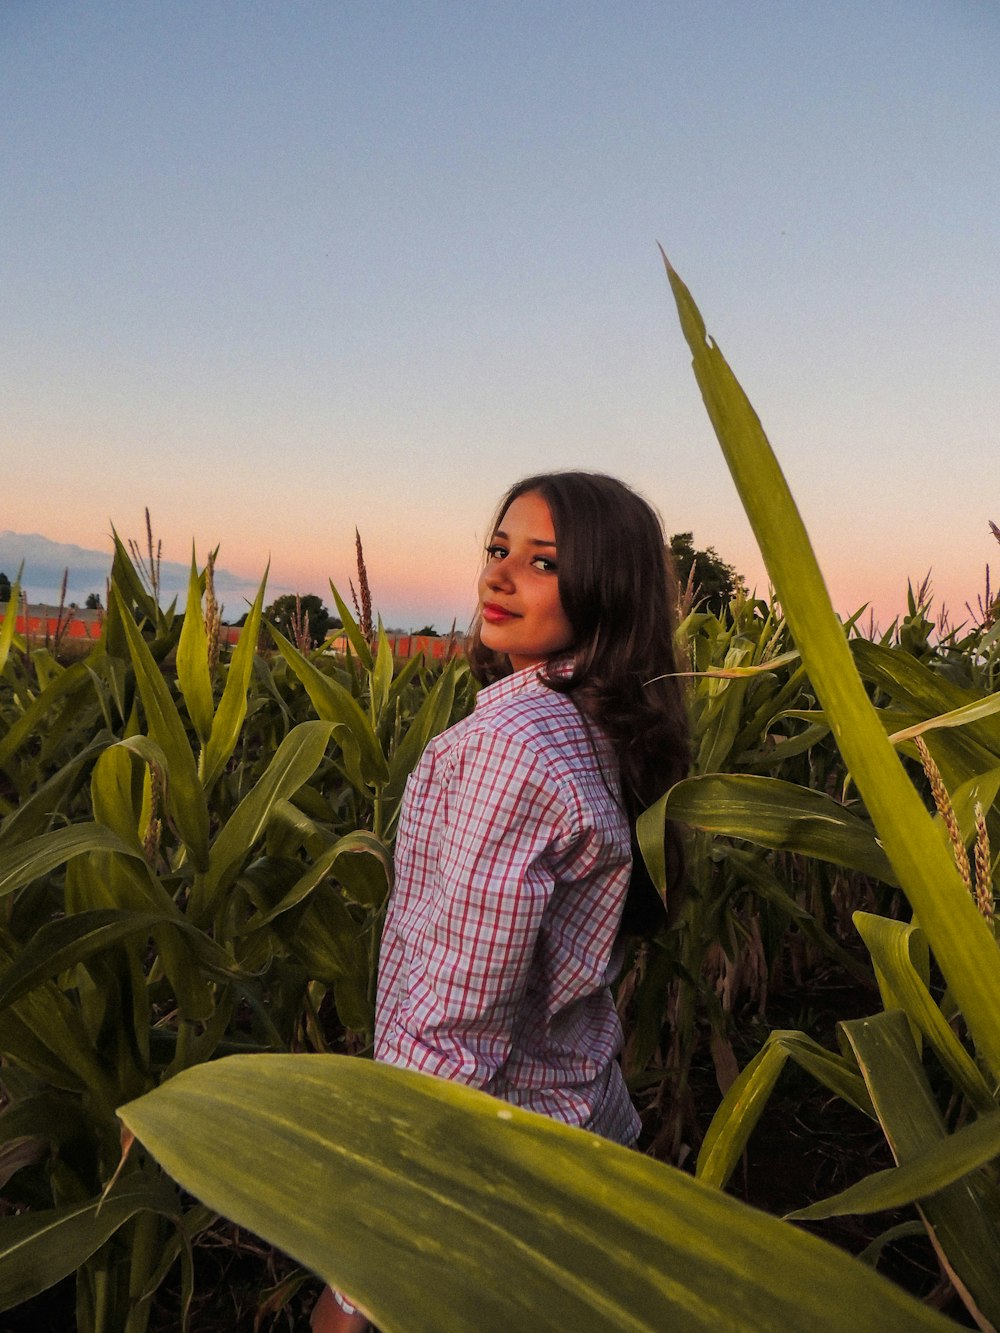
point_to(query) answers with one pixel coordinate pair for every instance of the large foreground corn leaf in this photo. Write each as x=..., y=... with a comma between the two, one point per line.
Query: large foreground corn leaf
x=962, y=942
x=437, y=1206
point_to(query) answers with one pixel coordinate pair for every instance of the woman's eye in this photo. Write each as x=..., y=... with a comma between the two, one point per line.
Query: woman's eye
x=495, y=552
x=545, y=564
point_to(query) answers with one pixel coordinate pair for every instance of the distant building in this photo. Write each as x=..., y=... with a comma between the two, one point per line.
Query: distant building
x=39, y=621
x=405, y=645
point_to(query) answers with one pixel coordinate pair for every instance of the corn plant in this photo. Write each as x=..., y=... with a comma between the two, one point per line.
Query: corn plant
x=748, y=696
x=193, y=860
x=881, y=1071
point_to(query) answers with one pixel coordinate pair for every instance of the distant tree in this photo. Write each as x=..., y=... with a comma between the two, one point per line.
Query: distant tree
x=4, y=588
x=283, y=612
x=715, y=581
x=93, y=602
x=428, y=631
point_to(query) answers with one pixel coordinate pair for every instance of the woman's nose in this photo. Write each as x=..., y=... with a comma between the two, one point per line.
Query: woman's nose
x=498, y=574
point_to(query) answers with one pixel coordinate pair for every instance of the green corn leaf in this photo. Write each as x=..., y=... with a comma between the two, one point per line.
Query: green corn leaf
x=721, y=725
x=15, y=1154
x=650, y=831
x=115, y=794
x=37, y=718
x=744, y=1103
x=916, y=693
x=125, y=578
x=871, y=1253
x=192, y=660
x=290, y=829
x=960, y=1216
x=767, y=668
x=962, y=942
x=330, y=943
x=34, y=815
x=353, y=631
x=104, y=881
x=789, y=747
x=25, y=1050
x=899, y=954
x=39, y=1249
x=44, y=1033
x=336, y=860
x=31, y=860
x=10, y=620
x=780, y=815
x=404, y=675
x=926, y=694
x=431, y=717
x=67, y=941
x=335, y=704
x=958, y=717
x=381, y=676
x=297, y=758
x=55, y=1118
x=232, y=710
x=110, y=679
x=489, y=1209
x=185, y=794
x=943, y=1163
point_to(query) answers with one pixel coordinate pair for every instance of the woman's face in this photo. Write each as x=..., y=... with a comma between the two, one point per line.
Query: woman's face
x=522, y=615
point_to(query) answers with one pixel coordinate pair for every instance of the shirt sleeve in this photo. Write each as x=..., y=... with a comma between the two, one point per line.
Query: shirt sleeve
x=502, y=817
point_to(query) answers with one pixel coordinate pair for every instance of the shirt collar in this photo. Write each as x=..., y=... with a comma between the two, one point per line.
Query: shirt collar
x=521, y=682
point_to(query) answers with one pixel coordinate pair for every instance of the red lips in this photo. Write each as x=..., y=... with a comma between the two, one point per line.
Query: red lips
x=497, y=615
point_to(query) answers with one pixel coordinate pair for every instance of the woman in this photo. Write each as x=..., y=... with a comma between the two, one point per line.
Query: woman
x=515, y=851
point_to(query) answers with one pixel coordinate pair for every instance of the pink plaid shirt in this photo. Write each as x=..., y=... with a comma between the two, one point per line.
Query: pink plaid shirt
x=512, y=863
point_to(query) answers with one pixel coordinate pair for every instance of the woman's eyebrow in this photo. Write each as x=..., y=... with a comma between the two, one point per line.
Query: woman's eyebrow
x=532, y=541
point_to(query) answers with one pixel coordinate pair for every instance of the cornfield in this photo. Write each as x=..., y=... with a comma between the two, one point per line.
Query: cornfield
x=195, y=855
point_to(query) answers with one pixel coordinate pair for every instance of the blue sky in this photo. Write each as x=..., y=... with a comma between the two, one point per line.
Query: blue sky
x=280, y=270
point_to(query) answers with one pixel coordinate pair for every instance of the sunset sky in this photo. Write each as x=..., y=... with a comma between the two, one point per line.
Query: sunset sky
x=277, y=270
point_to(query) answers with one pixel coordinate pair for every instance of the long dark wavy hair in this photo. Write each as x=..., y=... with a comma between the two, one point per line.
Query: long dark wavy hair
x=618, y=591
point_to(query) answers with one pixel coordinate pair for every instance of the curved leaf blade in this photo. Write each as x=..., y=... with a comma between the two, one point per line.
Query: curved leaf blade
x=962, y=942
x=31, y=860
x=38, y=1249
x=335, y=704
x=940, y=1165
x=192, y=660
x=296, y=759
x=488, y=1208
x=232, y=710
x=781, y=815
x=185, y=794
